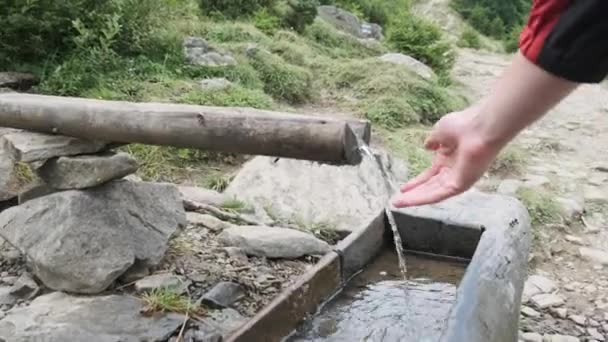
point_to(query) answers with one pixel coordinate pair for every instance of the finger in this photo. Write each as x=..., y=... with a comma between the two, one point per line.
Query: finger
x=431, y=192
x=423, y=177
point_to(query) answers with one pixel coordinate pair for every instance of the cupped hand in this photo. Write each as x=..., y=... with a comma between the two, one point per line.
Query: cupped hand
x=461, y=157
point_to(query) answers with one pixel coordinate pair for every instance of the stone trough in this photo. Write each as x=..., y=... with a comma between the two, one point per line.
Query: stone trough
x=490, y=232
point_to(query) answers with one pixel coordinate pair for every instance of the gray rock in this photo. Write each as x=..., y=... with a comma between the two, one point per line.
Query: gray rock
x=81, y=172
x=273, y=242
x=535, y=181
x=509, y=187
x=532, y=337
x=529, y=312
x=207, y=221
x=575, y=240
x=593, y=323
x=161, y=281
x=97, y=233
x=58, y=317
x=347, y=22
x=206, y=335
x=34, y=191
x=29, y=147
x=17, y=80
x=547, y=300
x=569, y=208
x=411, y=63
x=560, y=312
x=215, y=84
x=198, y=52
x=595, y=334
x=543, y=284
x=345, y=198
x=25, y=287
x=226, y=320
x=237, y=254
x=202, y=195
x=594, y=255
x=560, y=338
x=6, y=298
x=223, y=295
x=578, y=319
x=595, y=195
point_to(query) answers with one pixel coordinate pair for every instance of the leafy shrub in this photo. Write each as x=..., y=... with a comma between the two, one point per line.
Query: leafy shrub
x=422, y=40
x=511, y=41
x=234, y=32
x=392, y=112
x=266, y=22
x=299, y=14
x=494, y=18
x=470, y=39
x=282, y=80
x=39, y=29
x=233, y=8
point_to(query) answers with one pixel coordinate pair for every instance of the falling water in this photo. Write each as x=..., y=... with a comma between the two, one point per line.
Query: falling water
x=365, y=150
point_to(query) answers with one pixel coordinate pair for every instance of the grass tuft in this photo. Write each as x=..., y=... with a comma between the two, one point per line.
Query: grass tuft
x=510, y=161
x=167, y=300
x=541, y=206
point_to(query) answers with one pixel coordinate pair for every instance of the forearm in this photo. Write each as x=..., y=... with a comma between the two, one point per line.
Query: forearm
x=524, y=94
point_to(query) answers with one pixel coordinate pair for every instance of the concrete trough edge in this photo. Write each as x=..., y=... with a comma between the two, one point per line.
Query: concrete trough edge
x=303, y=298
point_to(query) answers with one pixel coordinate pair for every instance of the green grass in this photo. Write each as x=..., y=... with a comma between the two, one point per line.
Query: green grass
x=388, y=95
x=541, y=206
x=219, y=182
x=334, y=44
x=167, y=300
x=234, y=205
x=510, y=161
x=469, y=38
x=233, y=96
x=408, y=144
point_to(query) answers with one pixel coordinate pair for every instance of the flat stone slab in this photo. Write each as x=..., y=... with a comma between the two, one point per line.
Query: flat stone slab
x=81, y=172
x=594, y=255
x=202, y=195
x=547, y=300
x=58, y=317
x=273, y=242
x=82, y=240
x=30, y=147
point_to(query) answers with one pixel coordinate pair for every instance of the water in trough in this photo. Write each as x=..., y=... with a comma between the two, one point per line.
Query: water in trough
x=377, y=305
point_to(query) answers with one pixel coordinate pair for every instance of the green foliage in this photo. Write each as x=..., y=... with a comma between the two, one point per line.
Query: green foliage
x=389, y=96
x=470, y=39
x=266, y=21
x=167, y=300
x=233, y=96
x=511, y=42
x=422, y=40
x=299, y=14
x=408, y=143
x=218, y=182
x=541, y=206
x=282, y=80
x=381, y=12
x=493, y=18
x=234, y=205
x=334, y=43
x=233, y=8
x=41, y=29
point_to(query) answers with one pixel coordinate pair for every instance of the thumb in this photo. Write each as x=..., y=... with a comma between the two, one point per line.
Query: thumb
x=440, y=140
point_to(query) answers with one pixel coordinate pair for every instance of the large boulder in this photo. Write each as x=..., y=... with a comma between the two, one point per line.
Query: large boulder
x=348, y=22
x=344, y=198
x=273, y=242
x=409, y=62
x=81, y=172
x=198, y=52
x=59, y=317
x=81, y=241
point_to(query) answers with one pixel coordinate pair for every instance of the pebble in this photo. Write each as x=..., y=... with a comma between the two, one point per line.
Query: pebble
x=223, y=295
x=560, y=312
x=578, y=319
x=529, y=312
x=569, y=287
x=595, y=334
x=593, y=323
x=532, y=337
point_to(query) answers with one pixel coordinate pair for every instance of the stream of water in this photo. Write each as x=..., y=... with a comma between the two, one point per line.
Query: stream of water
x=392, y=188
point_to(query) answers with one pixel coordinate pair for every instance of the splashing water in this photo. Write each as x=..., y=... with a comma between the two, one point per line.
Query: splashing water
x=366, y=152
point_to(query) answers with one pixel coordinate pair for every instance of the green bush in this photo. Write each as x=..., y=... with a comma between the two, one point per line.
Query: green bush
x=233, y=8
x=266, y=21
x=469, y=39
x=511, y=42
x=493, y=18
x=234, y=96
x=422, y=40
x=282, y=80
x=40, y=29
x=392, y=112
x=299, y=14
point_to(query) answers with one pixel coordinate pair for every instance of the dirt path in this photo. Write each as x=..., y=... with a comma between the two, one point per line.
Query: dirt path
x=566, y=155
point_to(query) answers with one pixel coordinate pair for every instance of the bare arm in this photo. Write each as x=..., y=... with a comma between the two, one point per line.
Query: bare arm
x=467, y=142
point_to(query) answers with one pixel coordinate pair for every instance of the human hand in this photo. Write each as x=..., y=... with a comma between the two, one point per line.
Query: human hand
x=462, y=156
